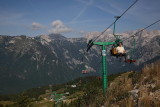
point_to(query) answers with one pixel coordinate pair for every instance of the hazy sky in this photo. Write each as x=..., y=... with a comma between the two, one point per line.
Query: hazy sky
x=74, y=18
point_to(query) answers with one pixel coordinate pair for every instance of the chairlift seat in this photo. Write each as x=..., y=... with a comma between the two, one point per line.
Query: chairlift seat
x=84, y=72
x=113, y=51
x=130, y=60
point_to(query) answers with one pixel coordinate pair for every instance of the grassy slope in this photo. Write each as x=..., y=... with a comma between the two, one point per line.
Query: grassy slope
x=125, y=90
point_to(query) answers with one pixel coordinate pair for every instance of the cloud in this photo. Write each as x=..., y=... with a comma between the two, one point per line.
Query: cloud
x=37, y=26
x=59, y=27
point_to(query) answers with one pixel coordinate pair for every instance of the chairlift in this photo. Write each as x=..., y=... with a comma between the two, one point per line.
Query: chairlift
x=114, y=52
x=85, y=72
x=88, y=70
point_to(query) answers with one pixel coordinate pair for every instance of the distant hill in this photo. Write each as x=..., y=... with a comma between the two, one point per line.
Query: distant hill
x=27, y=62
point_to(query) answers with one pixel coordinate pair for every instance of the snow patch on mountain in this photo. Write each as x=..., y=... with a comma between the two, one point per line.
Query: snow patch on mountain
x=65, y=54
x=12, y=41
x=46, y=37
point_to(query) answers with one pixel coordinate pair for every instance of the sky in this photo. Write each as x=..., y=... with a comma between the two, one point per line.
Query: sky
x=74, y=18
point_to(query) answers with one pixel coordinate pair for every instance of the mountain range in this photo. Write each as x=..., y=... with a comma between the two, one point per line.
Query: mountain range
x=27, y=62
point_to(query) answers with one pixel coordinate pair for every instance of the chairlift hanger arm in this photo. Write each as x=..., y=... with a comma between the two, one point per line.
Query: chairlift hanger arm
x=90, y=44
x=114, y=28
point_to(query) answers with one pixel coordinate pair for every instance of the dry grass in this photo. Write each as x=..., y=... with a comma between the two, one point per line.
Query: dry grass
x=129, y=102
x=146, y=101
x=147, y=83
x=117, y=93
x=4, y=103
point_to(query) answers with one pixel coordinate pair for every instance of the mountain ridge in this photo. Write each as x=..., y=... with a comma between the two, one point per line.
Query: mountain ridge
x=46, y=60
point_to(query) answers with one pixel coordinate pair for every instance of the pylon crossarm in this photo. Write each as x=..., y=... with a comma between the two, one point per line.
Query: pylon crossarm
x=103, y=43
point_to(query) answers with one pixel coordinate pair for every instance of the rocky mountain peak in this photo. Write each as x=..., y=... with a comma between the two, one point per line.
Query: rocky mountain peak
x=45, y=39
x=56, y=36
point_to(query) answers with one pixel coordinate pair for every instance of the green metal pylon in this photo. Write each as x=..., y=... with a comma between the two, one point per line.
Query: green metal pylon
x=104, y=63
x=57, y=99
x=104, y=57
x=104, y=69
